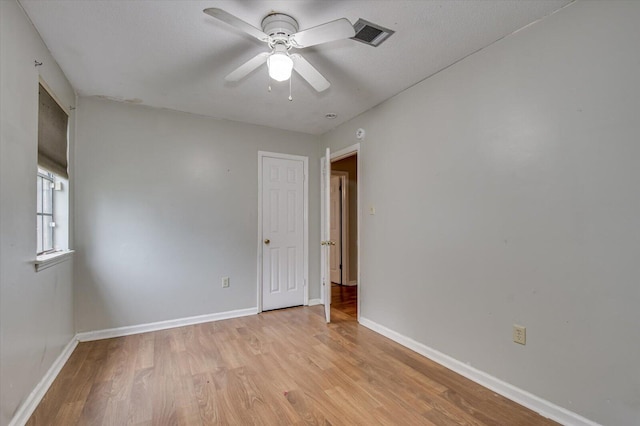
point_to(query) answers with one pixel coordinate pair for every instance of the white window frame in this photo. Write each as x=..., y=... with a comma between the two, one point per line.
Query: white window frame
x=46, y=176
x=60, y=251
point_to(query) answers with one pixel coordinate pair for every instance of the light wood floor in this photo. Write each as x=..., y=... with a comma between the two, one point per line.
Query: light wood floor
x=277, y=368
x=344, y=301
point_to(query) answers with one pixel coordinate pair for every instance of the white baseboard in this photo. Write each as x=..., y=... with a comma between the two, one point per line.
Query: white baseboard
x=522, y=397
x=162, y=325
x=313, y=302
x=352, y=282
x=31, y=402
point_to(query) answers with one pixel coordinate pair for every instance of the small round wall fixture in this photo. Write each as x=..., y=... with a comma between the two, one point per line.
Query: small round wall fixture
x=360, y=134
x=330, y=115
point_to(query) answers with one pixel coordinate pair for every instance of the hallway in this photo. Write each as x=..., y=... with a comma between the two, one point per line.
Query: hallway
x=344, y=302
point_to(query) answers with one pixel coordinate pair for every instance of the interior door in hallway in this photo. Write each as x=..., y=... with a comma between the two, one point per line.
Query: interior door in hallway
x=282, y=233
x=335, y=260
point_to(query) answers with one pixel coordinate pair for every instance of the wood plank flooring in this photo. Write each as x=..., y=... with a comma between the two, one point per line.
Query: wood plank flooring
x=284, y=367
x=344, y=300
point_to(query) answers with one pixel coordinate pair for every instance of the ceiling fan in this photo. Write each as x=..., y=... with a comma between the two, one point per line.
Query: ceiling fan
x=280, y=32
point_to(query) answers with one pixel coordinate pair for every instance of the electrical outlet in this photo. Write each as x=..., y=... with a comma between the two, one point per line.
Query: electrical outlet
x=519, y=334
x=225, y=282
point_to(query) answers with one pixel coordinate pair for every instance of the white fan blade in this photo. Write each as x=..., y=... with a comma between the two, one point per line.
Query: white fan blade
x=309, y=73
x=331, y=31
x=245, y=69
x=236, y=22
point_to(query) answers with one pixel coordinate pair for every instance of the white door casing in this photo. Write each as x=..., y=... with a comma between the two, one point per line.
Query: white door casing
x=338, y=155
x=335, y=259
x=283, y=237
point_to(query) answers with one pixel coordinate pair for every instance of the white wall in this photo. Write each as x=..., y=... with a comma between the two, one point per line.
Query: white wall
x=507, y=191
x=166, y=204
x=36, y=312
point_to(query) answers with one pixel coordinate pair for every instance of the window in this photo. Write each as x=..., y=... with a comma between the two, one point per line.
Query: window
x=44, y=212
x=52, y=204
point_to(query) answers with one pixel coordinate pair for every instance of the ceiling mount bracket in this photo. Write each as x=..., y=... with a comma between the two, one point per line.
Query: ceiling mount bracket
x=279, y=27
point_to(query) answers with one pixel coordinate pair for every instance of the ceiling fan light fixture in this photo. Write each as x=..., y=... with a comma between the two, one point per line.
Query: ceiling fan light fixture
x=280, y=33
x=280, y=66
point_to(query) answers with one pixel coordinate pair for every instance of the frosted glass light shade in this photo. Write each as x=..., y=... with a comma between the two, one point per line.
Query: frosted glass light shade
x=280, y=66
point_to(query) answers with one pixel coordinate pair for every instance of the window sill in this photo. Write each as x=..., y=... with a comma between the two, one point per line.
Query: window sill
x=45, y=261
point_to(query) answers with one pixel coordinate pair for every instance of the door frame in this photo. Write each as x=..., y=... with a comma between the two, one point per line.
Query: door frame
x=305, y=242
x=339, y=155
x=344, y=229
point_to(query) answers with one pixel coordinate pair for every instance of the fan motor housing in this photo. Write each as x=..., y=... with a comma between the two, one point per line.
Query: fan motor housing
x=279, y=26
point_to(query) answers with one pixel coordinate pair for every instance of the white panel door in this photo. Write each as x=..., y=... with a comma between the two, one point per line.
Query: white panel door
x=335, y=260
x=282, y=233
x=326, y=237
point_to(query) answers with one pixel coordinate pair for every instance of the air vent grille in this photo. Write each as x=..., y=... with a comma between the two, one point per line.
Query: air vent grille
x=369, y=33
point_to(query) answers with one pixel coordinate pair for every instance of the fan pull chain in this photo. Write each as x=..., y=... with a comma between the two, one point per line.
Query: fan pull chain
x=290, y=98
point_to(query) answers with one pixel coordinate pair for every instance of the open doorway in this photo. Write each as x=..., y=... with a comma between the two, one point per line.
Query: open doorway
x=344, y=232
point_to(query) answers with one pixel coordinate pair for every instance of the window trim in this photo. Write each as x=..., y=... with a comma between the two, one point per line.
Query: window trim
x=54, y=256
x=47, y=260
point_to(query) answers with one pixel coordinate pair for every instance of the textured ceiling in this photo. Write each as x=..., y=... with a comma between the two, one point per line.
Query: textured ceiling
x=169, y=54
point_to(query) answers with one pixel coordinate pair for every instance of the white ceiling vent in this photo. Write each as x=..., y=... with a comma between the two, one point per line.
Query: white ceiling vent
x=370, y=33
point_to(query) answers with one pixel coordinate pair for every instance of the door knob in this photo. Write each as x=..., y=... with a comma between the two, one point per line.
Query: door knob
x=267, y=241
x=332, y=243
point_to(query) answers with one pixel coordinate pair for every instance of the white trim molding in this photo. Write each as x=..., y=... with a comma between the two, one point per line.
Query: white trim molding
x=339, y=155
x=45, y=261
x=31, y=402
x=313, y=302
x=541, y=406
x=162, y=325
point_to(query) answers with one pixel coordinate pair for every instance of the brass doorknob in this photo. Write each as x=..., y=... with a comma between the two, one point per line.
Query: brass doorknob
x=267, y=241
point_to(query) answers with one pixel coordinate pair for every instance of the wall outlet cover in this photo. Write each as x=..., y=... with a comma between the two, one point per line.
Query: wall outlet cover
x=519, y=334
